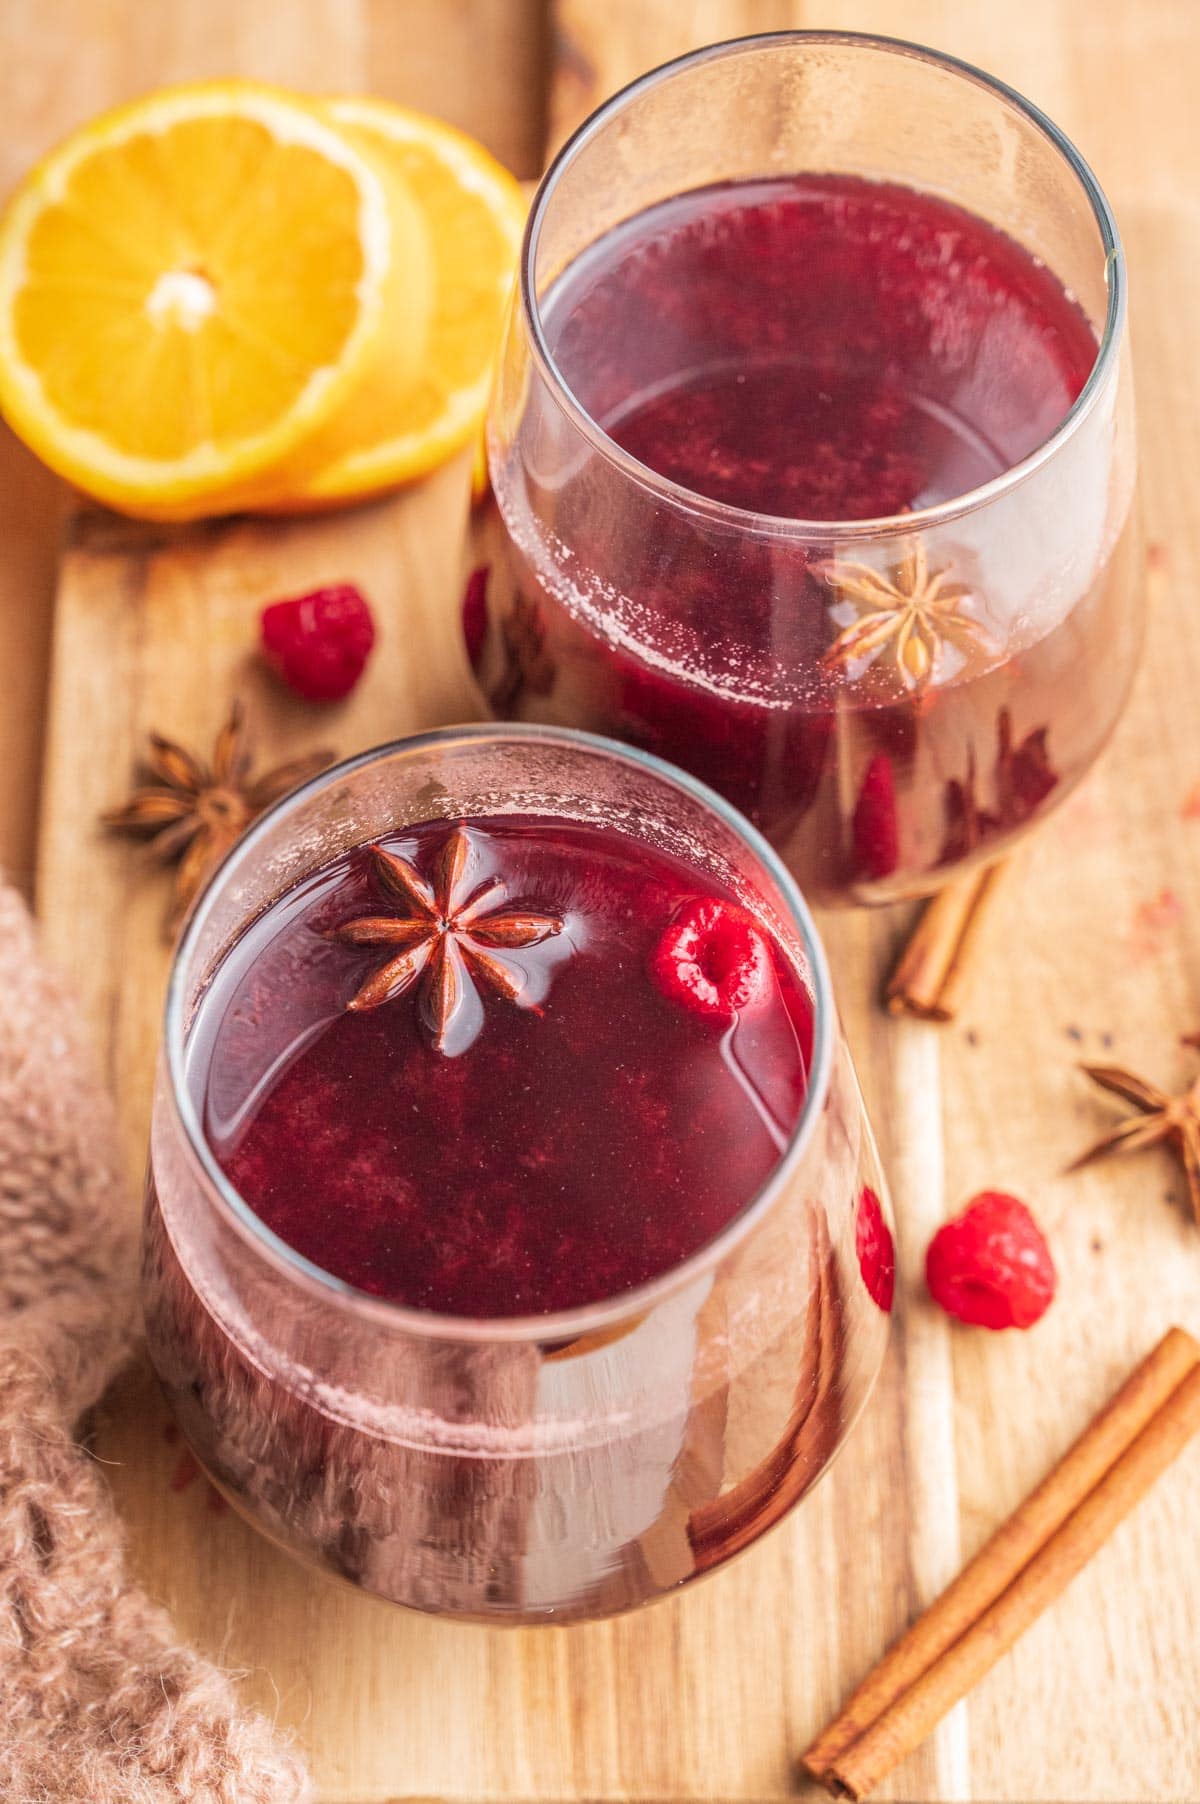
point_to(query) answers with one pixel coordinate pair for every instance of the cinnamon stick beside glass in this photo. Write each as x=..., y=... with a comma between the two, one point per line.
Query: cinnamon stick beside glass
x=1022, y=1569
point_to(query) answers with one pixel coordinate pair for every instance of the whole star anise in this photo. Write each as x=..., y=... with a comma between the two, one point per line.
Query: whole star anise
x=195, y=812
x=1160, y=1120
x=447, y=939
x=912, y=609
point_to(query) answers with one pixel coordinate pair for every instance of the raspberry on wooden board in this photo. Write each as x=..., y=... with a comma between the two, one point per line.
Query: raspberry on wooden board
x=991, y=1265
x=319, y=643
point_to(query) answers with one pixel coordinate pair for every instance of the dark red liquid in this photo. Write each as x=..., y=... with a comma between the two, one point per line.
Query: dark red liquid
x=824, y=349
x=817, y=348
x=571, y=1151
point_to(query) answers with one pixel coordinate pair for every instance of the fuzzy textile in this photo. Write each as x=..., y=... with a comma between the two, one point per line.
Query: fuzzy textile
x=99, y=1703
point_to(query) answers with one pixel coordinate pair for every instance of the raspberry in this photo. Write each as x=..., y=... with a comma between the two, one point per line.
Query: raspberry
x=876, y=838
x=319, y=643
x=876, y=1250
x=474, y=614
x=713, y=960
x=991, y=1266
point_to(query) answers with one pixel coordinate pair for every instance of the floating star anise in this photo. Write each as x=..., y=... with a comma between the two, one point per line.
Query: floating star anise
x=1161, y=1120
x=195, y=812
x=912, y=609
x=450, y=941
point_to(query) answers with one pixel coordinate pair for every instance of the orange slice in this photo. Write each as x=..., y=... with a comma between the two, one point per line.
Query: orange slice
x=392, y=428
x=191, y=286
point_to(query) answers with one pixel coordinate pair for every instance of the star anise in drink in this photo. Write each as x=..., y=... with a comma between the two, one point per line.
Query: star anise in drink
x=911, y=612
x=446, y=939
x=193, y=812
x=527, y=665
x=1159, y=1120
x=1022, y=778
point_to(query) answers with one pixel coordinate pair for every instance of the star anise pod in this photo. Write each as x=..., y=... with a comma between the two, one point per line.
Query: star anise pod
x=449, y=940
x=194, y=813
x=1023, y=776
x=911, y=609
x=1024, y=773
x=1160, y=1120
x=527, y=665
x=967, y=824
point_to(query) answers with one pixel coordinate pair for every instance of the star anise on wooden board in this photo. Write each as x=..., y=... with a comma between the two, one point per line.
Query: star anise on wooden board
x=1161, y=1120
x=448, y=940
x=194, y=812
x=911, y=610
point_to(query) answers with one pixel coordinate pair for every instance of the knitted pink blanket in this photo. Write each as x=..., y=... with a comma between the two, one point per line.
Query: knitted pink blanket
x=99, y=1703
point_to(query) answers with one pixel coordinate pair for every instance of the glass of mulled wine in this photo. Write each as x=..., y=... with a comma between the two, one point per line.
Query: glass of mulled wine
x=812, y=454
x=515, y=1242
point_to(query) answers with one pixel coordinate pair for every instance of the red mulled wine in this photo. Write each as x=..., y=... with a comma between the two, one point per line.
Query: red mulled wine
x=501, y=1068
x=515, y=1241
x=764, y=360
x=818, y=348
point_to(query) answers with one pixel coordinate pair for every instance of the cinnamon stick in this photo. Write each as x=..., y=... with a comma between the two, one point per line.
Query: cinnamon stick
x=1024, y=1566
x=931, y=973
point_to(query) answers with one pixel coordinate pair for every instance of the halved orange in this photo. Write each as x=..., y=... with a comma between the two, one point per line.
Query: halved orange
x=192, y=285
x=393, y=428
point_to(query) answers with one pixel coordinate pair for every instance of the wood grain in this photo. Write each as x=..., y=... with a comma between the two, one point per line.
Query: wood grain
x=30, y=510
x=713, y=1695
x=478, y=63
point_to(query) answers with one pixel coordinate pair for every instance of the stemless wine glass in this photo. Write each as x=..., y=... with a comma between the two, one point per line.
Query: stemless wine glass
x=608, y=597
x=524, y=1469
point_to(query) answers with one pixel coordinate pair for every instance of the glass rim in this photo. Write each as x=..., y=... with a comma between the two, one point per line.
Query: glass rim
x=566, y=1324
x=782, y=525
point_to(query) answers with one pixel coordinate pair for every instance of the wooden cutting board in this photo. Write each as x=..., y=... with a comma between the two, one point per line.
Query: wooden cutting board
x=1097, y=938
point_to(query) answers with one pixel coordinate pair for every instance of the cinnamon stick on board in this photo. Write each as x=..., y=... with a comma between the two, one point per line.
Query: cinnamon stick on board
x=1024, y=1566
x=932, y=970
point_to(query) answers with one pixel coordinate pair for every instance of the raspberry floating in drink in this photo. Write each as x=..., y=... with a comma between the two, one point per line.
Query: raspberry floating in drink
x=876, y=1249
x=713, y=959
x=876, y=833
x=474, y=614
